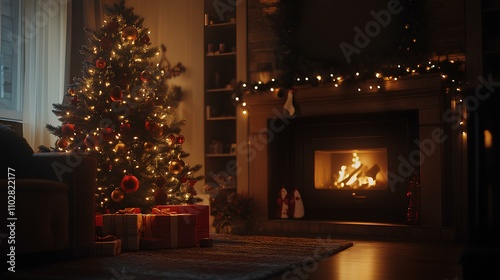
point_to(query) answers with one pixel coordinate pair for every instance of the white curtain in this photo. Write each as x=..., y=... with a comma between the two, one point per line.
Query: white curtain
x=44, y=34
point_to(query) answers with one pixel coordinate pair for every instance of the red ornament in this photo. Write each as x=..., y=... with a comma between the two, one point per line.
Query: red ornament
x=149, y=125
x=106, y=43
x=116, y=94
x=145, y=39
x=100, y=63
x=129, y=183
x=62, y=143
x=160, y=197
x=129, y=33
x=125, y=127
x=145, y=76
x=108, y=134
x=161, y=181
x=68, y=129
x=91, y=141
x=112, y=27
x=74, y=100
x=180, y=139
x=157, y=131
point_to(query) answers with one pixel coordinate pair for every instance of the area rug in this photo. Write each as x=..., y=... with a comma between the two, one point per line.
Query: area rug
x=231, y=257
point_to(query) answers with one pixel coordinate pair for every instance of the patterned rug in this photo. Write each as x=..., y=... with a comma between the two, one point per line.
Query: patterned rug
x=231, y=257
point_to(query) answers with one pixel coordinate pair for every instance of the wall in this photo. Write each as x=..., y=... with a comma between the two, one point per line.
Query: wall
x=179, y=26
x=443, y=22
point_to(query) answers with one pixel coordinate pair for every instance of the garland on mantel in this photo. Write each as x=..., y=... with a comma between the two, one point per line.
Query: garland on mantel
x=297, y=70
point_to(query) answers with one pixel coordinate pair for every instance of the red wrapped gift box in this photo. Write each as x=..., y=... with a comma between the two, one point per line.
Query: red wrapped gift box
x=202, y=213
x=175, y=230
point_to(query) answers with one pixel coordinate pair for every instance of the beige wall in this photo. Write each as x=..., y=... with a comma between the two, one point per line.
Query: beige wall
x=179, y=26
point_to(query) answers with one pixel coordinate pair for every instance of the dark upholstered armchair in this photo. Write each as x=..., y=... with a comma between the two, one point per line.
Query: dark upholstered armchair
x=52, y=197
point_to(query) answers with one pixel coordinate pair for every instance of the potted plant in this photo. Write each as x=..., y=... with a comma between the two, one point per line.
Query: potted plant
x=232, y=211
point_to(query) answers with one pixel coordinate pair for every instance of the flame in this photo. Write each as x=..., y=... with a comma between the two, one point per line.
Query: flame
x=355, y=176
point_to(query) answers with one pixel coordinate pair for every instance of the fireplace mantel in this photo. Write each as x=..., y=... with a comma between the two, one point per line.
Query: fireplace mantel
x=420, y=92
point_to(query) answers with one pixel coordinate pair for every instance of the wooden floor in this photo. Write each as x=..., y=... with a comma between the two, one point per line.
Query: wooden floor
x=385, y=260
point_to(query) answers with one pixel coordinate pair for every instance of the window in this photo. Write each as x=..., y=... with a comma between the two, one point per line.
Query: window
x=10, y=60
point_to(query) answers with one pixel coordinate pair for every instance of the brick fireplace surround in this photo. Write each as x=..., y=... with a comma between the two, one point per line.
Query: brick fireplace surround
x=422, y=92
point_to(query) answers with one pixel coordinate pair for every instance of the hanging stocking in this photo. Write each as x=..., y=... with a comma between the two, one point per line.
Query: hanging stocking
x=298, y=210
x=289, y=103
x=283, y=203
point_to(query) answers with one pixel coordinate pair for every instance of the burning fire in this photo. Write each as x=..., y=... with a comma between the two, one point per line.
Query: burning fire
x=357, y=175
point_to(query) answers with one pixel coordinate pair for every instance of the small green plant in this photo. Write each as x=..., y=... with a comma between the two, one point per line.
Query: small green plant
x=231, y=209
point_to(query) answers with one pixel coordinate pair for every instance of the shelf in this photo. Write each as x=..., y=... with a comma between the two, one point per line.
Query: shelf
x=221, y=155
x=221, y=118
x=224, y=89
x=222, y=24
x=216, y=54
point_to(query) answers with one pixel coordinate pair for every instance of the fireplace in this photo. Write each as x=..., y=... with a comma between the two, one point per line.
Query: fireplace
x=341, y=164
x=332, y=127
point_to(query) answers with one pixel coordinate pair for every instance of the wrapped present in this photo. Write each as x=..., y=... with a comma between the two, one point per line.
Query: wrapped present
x=151, y=243
x=202, y=213
x=122, y=224
x=98, y=220
x=107, y=248
x=175, y=230
x=130, y=242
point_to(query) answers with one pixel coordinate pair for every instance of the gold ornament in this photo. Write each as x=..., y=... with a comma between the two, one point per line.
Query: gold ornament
x=129, y=33
x=120, y=147
x=148, y=147
x=117, y=195
x=175, y=166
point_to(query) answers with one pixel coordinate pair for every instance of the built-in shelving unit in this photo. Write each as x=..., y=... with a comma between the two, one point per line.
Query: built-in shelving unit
x=220, y=67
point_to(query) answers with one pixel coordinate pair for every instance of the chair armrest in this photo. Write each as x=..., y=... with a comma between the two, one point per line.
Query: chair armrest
x=79, y=173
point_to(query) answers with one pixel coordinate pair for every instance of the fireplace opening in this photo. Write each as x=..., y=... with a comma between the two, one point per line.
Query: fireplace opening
x=342, y=165
x=364, y=169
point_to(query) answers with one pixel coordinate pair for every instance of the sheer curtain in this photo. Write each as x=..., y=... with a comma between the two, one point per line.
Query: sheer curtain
x=49, y=50
x=44, y=44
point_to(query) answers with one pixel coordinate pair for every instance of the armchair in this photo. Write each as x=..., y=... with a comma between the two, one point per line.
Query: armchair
x=54, y=197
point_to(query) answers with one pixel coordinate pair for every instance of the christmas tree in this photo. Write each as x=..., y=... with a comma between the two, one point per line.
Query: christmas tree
x=122, y=110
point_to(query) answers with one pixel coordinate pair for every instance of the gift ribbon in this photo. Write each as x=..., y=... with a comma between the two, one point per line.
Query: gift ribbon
x=147, y=226
x=164, y=211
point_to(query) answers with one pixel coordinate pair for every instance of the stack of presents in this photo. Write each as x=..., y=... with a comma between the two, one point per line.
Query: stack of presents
x=167, y=227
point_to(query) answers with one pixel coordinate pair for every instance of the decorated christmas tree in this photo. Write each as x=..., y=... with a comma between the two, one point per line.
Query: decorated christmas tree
x=122, y=110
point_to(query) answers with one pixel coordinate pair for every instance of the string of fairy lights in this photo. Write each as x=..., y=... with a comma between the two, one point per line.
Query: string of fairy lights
x=451, y=72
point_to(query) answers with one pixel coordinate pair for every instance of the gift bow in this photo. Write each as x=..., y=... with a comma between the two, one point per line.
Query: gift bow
x=164, y=211
x=127, y=211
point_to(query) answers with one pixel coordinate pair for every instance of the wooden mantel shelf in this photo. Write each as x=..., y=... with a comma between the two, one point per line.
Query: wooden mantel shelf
x=411, y=92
